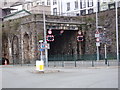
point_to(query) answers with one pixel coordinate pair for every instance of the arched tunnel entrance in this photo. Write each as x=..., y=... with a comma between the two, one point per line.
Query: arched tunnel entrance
x=64, y=46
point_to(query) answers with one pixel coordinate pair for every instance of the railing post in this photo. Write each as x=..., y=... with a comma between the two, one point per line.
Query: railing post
x=62, y=61
x=92, y=63
x=75, y=63
x=108, y=63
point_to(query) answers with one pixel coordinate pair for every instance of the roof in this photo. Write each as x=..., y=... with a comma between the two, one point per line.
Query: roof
x=6, y=8
x=13, y=14
x=19, y=3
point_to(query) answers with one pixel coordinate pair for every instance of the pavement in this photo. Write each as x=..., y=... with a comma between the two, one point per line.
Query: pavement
x=59, y=77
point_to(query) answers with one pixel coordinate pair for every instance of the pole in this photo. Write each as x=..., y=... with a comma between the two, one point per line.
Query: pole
x=41, y=56
x=117, y=31
x=105, y=54
x=97, y=28
x=46, y=51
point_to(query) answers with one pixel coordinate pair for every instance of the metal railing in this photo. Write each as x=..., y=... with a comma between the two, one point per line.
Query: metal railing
x=87, y=60
x=85, y=57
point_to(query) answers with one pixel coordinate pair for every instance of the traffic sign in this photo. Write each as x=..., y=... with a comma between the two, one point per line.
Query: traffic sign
x=61, y=31
x=80, y=38
x=40, y=41
x=99, y=26
x=97, y=39
x=79, y=32
x=41, y=49
x=97, y=34
x=50, y=31
x=50, y=38
x=45, y=46
x=97, y=43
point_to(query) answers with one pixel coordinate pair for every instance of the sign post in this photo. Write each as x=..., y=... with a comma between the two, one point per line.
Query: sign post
x=97, y=36
x=40, y=63
x=42, y=47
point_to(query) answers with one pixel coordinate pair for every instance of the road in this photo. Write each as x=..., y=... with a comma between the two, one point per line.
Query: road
x=92, y=77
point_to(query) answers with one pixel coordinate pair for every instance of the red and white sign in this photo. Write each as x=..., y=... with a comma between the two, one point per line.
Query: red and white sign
x=80, y=38
x=97, y=34
x=62, y=31
x=79, y=32
x=50, y=31
x=50, y=38
x=97, y=39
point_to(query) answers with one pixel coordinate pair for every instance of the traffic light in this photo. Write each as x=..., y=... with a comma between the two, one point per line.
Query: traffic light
x=50, y=38
x=80, y=38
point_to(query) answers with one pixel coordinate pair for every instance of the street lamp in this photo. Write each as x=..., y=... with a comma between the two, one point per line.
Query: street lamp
x=46, y=51
x=97, y=27
x=105, y=49
x=117, y=30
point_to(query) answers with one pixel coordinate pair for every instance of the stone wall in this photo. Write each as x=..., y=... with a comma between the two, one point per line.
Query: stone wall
x=21, y=36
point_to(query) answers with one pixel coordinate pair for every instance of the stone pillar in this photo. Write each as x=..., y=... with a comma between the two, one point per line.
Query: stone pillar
x=10, y=50
x=33, y=39
x=22, y=51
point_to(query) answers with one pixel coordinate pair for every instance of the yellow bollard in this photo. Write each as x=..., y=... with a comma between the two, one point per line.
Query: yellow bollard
x=40, y=65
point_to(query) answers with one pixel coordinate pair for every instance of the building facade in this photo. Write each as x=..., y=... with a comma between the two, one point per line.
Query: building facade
x=80, y=7
x=66, y=7
x=34, y=6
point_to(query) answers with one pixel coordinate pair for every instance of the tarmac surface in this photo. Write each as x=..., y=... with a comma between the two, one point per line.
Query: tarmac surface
x=61, y=77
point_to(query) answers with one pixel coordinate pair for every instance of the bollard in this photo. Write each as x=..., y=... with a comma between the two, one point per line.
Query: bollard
x=54, y=64
x=75, y=64
x=40, y=65
x=106, y=61
x=62, y=63
x=92, y=63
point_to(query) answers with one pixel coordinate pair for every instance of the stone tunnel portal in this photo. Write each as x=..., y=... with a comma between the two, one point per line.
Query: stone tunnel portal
x=64, y=44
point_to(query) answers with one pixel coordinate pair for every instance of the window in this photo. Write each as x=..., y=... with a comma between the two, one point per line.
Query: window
x=54, y=11
x=118, y=3
x=76, y=4
x=68, y=6
x=48, y=2
x=90, y=3
x=39, y=2
x=31, y=4
x=82, y=4
x=5, y=2
x=90, y=11
x=43, y=3
x=54, y=2
x=83, y=12
x=28, y=6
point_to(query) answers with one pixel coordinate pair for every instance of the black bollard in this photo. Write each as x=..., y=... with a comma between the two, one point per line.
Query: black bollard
x=75, y=64
x=92, y=63
x=106, y=61
x=62, y=63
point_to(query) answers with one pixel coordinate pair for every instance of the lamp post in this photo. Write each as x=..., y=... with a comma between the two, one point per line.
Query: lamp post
x=117, y=30
x=105, y=45
x=46, y=51
x=97, y=27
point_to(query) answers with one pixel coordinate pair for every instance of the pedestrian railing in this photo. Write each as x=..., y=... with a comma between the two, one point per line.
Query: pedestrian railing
x=87, y=60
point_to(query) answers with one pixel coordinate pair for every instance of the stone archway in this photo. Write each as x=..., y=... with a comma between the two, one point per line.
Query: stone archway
x=26, y=48
x=15, y=49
